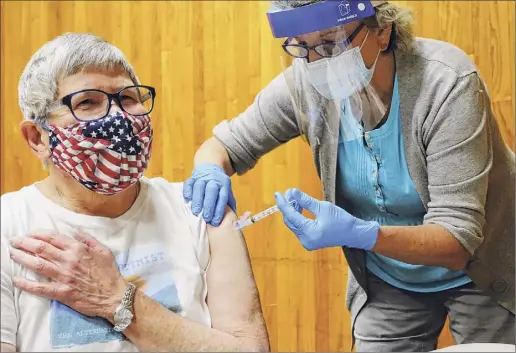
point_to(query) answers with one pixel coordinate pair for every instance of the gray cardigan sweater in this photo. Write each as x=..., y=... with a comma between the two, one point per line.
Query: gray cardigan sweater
x=456, y=157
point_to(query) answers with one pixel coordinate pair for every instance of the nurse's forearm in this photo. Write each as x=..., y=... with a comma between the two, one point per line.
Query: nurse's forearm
x=428, y=244
x=213, y=151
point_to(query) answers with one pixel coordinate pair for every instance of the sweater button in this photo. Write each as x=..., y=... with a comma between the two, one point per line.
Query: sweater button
x=474, y=265
x=499, y=286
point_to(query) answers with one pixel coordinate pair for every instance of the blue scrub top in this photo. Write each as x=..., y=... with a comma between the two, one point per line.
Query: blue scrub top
x=374, y=183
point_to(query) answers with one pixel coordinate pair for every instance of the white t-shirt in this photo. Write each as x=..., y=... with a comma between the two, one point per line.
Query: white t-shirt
x=158, y=244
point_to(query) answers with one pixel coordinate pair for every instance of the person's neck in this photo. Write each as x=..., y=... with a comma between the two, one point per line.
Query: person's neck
x=67, y=192
x=383, y=77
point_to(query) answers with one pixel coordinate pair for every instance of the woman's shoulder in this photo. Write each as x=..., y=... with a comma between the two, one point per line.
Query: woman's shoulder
x=169, y=194
x=20, y=208
x=167, y=198
x=429, y=73
x=162, y=184
x=437, y=58
x=13, y=203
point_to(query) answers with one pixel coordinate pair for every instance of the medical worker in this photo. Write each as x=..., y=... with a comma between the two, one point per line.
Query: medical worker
x=418, y=184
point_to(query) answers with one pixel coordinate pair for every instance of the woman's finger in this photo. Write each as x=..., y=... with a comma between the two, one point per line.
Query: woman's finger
x=50, y=290
x=89, y=241
x=38, y=247
x=211, y=195
x=188, y=189
x=37, y=264
x=220, y=208
x=290, y=197
x=198, y=196
x=295, y=219
x=305, y=201
x=60, y=241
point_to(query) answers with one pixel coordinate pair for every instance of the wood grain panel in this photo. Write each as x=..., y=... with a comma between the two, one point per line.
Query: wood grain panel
x=207, y=60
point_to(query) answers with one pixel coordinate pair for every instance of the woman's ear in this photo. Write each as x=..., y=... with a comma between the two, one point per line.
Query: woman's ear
x=384, y=37
x=36, y=138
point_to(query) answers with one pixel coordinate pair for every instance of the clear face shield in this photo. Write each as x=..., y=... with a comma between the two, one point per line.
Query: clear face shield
x=325, y=74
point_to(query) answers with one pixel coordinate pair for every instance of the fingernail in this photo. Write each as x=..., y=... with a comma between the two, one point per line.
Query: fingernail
x=13, y=242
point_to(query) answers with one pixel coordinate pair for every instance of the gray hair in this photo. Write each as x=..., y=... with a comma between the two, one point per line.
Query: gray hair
x=59, y=58
x=400, y=17
x=291, y=4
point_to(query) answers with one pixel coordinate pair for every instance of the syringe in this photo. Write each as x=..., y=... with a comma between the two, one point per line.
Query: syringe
x=245, y=220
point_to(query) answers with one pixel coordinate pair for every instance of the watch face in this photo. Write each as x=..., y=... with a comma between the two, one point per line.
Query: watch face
x=123, y=317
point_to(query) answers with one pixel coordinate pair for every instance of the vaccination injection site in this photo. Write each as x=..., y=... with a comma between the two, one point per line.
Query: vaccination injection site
x=257, y=176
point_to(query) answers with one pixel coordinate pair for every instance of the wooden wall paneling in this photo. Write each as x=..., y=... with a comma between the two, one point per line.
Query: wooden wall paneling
x=208, y=60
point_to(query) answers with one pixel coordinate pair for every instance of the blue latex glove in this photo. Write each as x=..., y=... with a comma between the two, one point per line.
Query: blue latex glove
x=209, y=189
x=332, y=225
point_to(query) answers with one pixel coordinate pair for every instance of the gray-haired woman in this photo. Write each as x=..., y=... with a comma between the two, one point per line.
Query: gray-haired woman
x=418, y=184
x=96, y=257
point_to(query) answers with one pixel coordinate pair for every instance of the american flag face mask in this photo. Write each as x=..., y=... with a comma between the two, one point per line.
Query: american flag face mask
x=107, y=155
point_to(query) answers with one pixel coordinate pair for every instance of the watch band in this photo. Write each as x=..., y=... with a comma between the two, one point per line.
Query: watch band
x=127, y=300
x=125, y=304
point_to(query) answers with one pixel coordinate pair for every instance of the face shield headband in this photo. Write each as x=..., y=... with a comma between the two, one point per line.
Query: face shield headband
x=318, y=16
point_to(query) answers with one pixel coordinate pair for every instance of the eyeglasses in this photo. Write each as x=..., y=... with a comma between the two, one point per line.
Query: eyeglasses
x=93, y=104
x=325, y=49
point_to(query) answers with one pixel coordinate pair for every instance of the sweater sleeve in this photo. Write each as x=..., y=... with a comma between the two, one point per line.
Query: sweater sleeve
x=459, y=158
x=269, y=122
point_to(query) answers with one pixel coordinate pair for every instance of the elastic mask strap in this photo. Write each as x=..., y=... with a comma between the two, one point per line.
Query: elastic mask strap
x=379, y=50
x=367, y=35
x=43, y=126
x=377, y=56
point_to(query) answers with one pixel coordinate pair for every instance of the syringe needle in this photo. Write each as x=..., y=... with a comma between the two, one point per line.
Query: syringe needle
x=245, y=220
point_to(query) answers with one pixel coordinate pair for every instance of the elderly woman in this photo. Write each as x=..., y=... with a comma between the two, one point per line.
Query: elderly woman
x=96, y=257
x=418, y=184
